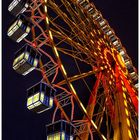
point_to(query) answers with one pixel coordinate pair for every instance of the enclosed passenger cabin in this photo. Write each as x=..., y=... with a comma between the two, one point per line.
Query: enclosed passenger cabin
x=19, y=29
x=60, y=130
x=17, y=7
x=26, y=59
x=40, y=97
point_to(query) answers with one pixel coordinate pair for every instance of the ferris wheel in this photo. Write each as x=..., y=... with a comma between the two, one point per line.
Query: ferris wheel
x=88, y=79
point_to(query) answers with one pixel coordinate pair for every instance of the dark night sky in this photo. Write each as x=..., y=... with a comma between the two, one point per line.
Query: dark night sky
x=18, y=122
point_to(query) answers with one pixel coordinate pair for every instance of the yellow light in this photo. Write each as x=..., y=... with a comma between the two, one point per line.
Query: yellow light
x=56, y=136
x=30, y=107
x=94, y=124
x=30, y=101
x=45, y=9
x=111, y=76
x=92, y=34
x=99, y=48
x=94, y=31
x=122, y=82
x=72, y=88
x=101, y=57
x=42, y=97
x=36, y=97
x=126, y=111
x=56, y=52
x=83, y=107
x=98, y=43
x=15, y=61
x=120, y=60
x=110, y=82
x=21, y=56
x=92, y=41
x=49, y=137
x=50, y=33
x=130, y=135
x=47, y=20
x=26, y=55
x=99, y=32
x=101, y=68
x=70, y=39
x=124, y=95
x=103, y=137
x=63, y=136
x=51, y=102
x=133, y=90
x=35, y=62
x=128, y=122
x=125, y=103
x=63, y=69
x=124, y=89
x=95, y=53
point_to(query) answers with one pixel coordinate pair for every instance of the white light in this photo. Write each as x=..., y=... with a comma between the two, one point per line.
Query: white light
x=26, y=55
x=22, y=37
x=63, y=136
x=109, y=33
x=26, y=5
x=10, y=33
x=132, y=74
x=63, y=69
x=37, y=103
x=15, y=28
x=23, y=10
x=137, y=85
x=56, y=52
x=12, y=26
x=71, y=137
x=28, y=71
x=122, y=53
x=116, y=42
x=35, y=62
x=30, y=107
x=51, y=102
x=102, y=23
x=46, y=9
x=42, y=97
x=10, y=7
x=16, y=66
x=28, y=29
x=19, y=23
x=22, y=62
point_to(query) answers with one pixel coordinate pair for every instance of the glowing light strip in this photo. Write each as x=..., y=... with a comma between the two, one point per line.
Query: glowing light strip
x=126, y=110
x=72, y=88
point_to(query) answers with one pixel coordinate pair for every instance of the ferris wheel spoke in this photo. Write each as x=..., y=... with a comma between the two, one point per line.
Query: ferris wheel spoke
x=71, y=24
x=62, y=31
x=77, y=55
x=74, y=44
x=77, y=77
x=75, y=16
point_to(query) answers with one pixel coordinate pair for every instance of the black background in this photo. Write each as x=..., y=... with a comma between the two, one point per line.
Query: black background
x=17, y=122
